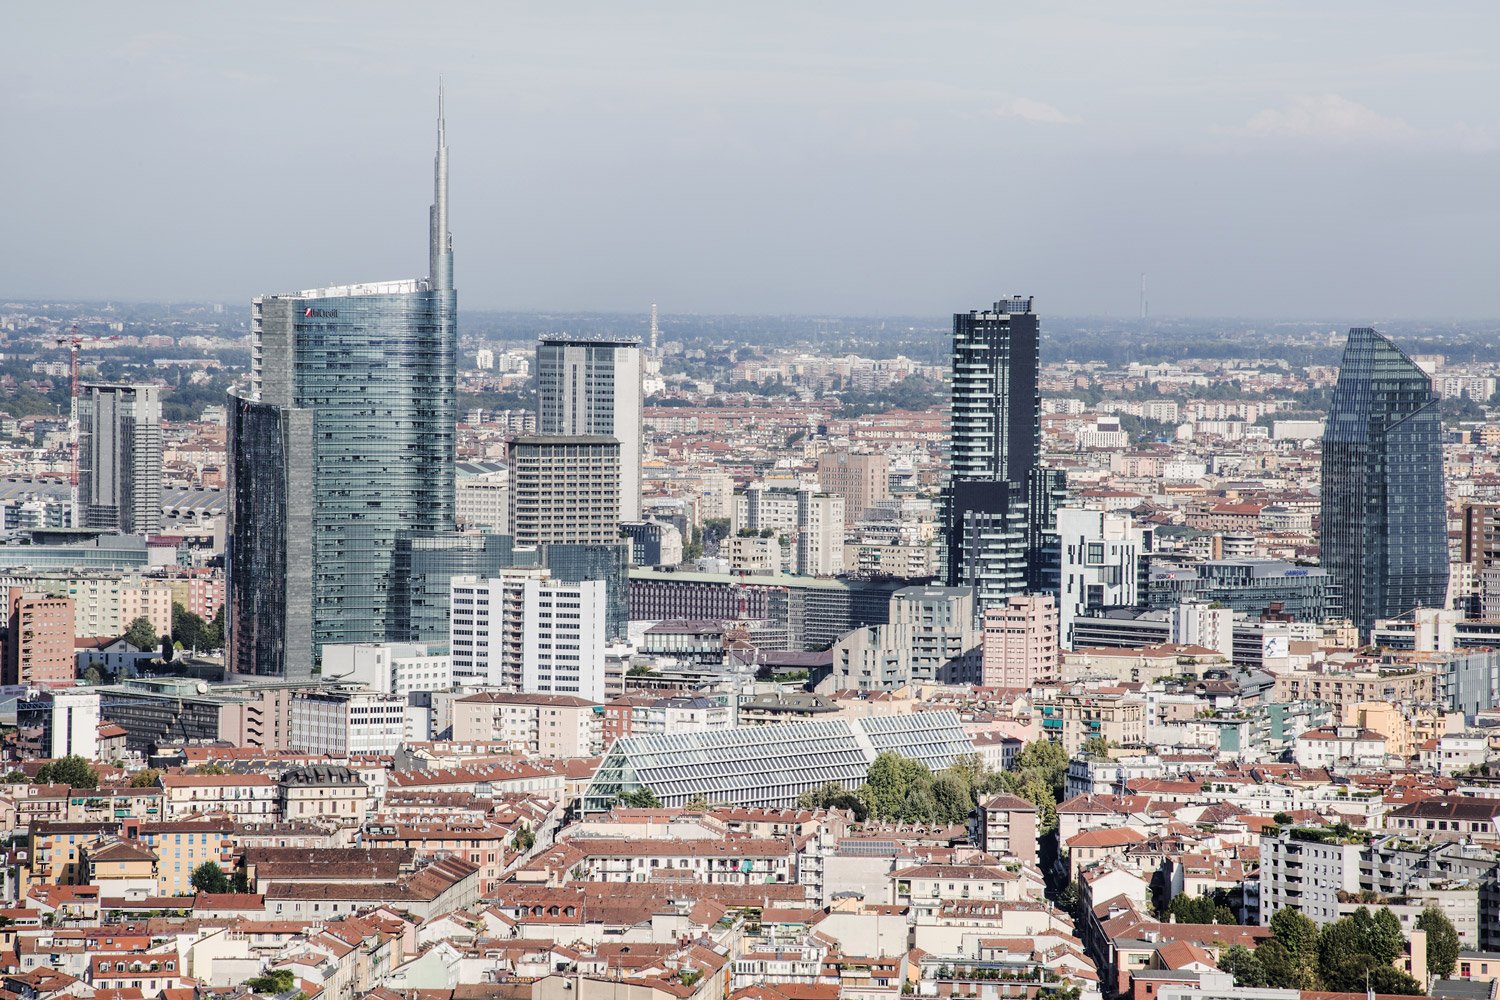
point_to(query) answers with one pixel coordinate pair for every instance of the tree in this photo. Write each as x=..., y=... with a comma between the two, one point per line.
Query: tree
x=639, y=798
x=142, y=634
x=189, y=628
x=1199, y=910
x=145, y=778
x=1290, y=958
x=16, y=778
x=239, y=881
x=72, y=770
x=1096, y=747
x=210, y=768
x=1282, y=970
x=1034, y=789
x=1442, y=941
x=833, y=795
x=1357, y=945
x=273, y=983
x=889, y=783
x=1241, y=963
x=1048, y=760
x=209, y=877
x=525, y=840
x=952, y=797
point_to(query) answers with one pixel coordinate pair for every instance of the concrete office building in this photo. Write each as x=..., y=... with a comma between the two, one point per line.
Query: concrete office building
x=861, y=479
x=527, y=631
x=398, y=668
x=343, y=442
x=565, y=489
x=1249, y=585
x=592, y=387
x=482, y=497
x=119, y=457
x=339, y=723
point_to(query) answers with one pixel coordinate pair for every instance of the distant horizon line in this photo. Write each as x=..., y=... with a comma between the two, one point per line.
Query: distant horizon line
x=645, y=313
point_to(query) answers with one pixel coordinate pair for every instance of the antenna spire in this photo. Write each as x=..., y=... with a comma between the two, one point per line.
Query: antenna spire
x=440, y=240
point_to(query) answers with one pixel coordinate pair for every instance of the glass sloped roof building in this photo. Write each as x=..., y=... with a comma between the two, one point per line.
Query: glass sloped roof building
x=1384, y=523
x=770, y=766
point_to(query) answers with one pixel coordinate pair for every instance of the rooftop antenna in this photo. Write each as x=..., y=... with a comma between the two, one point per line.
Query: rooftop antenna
x=653, y=328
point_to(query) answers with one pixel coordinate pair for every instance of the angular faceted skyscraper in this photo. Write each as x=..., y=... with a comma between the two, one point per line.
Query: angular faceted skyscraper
x=1384, y=534
x=990, y=522
x=344, y=442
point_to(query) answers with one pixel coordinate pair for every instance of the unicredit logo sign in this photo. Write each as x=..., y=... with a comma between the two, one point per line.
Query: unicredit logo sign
x=311, y=313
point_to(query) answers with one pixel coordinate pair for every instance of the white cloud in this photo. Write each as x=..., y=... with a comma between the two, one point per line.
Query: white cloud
x=1033, y=111
x=1330, y=118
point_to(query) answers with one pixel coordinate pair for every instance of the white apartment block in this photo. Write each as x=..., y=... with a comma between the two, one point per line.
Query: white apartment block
x=75, y=722
x=340, y=723
x=820, y=534
x=397, y=668
x=1306, y=870
x=525, y=631
x=1101, y=553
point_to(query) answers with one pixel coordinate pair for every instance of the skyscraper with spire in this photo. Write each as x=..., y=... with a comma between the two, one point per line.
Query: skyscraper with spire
x=342, y=442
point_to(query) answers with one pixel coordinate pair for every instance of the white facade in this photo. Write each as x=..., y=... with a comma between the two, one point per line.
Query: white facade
x=75, y=723
x=483, y=501
x=525, y=631
x=484, y=359
x=339, y=723
x=1198, y=623
x=1101, y=553
x=820, y=534
x=397, y=668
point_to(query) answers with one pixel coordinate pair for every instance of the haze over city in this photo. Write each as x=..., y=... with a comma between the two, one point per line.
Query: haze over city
x=1275, y=160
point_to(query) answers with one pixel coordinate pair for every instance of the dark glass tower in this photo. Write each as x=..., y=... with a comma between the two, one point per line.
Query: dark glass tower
x=344, y=443
x=1384, y=525
x=995, y=499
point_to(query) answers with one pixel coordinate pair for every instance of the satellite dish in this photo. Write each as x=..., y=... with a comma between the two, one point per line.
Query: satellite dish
x=203, y=687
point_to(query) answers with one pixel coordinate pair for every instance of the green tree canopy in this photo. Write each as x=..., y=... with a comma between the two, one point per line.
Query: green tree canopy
x=1199, y=910
x=639, y=798
x=1442, y=942
x=142, y=634
x=1241, y=963
x=833, y=795
x=273, y=983
x=209, y=877
x=72, y=770
x=145, y=778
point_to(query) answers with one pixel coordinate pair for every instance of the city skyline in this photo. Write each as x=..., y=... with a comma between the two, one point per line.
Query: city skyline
x=804, y=171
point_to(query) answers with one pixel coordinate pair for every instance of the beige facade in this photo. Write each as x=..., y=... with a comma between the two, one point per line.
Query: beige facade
x=860, y=479
x=1020, y=642
x=541, y=724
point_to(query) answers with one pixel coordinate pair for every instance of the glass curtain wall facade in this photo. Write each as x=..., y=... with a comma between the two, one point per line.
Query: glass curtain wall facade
x=1384, y=527
x=361, y=381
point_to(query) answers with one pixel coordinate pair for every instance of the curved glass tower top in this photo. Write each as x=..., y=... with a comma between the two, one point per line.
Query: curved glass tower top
x=1384, y=524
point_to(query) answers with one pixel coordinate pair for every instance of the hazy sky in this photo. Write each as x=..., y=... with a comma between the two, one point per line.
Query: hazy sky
x=1297, y=159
